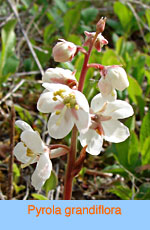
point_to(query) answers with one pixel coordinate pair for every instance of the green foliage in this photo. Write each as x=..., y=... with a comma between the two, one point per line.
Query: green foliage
x=124, y=14
x=127, y=153
x=51, y=183
x=145, y=130
x=8, y=61
x=71, y=20
x=144, y=192
x=37, y=196
x=89, y=15
x=122, y=191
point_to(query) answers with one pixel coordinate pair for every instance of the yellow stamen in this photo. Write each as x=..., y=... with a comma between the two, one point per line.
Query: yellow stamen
x=76, y=107
x=55, y=98
x=29, y=153
x=68, y=105
x=58, y=112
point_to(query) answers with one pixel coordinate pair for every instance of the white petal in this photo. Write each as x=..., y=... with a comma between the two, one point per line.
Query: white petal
x=82, y=120
x=59, y=127
x=33, y=141
x=93, y=140
x=20, y=153
x=52, y=87
x=57, y=75
x=118, y=78
x=118, y=109
x=23, y=125
x=46, y=104
x=115, y=131
x=42, y=171
x=81, y=100
x=99, y=100
x=105, y=86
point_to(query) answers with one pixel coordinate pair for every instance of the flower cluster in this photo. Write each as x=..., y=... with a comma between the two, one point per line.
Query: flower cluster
x=69, y=107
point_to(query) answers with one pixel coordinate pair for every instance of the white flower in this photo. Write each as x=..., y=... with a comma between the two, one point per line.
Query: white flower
x=59, y=75
x=68, y=107
x=99, y=43
x=64, y=51
x=32, y=149
x=105, y=123
x=113, y=77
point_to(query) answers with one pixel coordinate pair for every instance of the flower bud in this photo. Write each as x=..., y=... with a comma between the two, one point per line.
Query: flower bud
x=118, y=77
x=100, y=26
x=99, y=43
x=64, y=51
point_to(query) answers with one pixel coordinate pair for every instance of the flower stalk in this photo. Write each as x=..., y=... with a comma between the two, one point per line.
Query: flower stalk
x=85, y=64
x=70, y=165
x=73, y=149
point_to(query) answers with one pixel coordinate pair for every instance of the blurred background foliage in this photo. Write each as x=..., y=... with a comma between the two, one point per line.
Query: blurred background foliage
x=122, y=171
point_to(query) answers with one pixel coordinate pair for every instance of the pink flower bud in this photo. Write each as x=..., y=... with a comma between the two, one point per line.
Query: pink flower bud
x=64, y=51
x=100, y=26
x=99, y=43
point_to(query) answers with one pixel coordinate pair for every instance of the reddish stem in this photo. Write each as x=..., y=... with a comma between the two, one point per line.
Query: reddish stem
x=85, y=67
x=55, y=146
x=72, y=154
x=96, y=66
x=70, y=165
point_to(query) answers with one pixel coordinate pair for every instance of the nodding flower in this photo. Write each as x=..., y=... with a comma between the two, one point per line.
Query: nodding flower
x=64, y=51
x=113, y=77
x=32, y=149
x=99, y=43
x=60, y=75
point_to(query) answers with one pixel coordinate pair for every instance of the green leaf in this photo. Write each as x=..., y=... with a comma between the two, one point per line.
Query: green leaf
x=145, y=129
x=39, y=196
x=127, y=153
x=147, y=13
x=121, y=191
x=18, y=188
x=71, y=20
x=116, y=26
x=139, y=67
x=75, y=39
x=110, y=57
x=48, y=31
x=146, y=152
x=115, y=169
x=51, y=183
x=134, y=89
x=23, y=114
x=130, y=123
x=133, y=153
x=8, y=43
x=124, y=14
x=144, y=192
x=61, y=4
x=16, y=173
x=11, y=66
x=89, y=14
